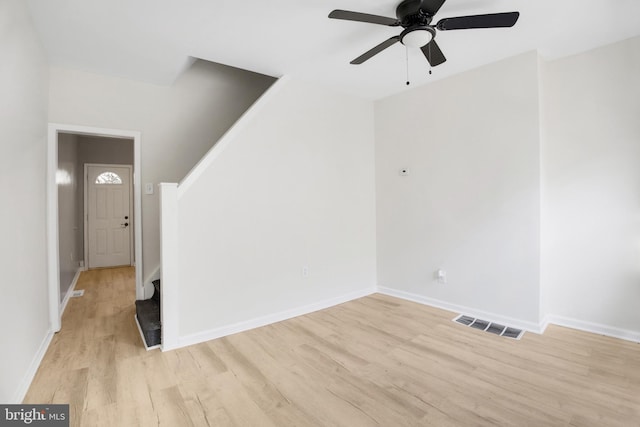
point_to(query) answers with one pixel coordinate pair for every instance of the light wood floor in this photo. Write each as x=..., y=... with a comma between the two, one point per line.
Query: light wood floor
x=377, y=361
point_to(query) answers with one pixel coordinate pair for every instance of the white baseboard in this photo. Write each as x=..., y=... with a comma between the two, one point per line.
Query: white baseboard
x=595, y=328
x=23, y=388
x=469, y=311
x=74, y=282
x=549, y=319
x=44, y=345
x=269, y=319
x=544, y=324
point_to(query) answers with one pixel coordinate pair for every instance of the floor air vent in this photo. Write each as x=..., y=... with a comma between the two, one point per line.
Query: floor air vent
x=465, y=320
x=514, y=333
x=77, y=293
x=492, y=328
x=480, y=324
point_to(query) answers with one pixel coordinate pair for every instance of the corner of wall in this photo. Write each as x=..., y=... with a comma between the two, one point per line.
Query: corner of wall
x=589, y=182
x=535, y=327
x=544, y=303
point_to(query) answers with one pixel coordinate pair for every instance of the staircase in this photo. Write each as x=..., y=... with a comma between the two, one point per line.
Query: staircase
x=148, y=318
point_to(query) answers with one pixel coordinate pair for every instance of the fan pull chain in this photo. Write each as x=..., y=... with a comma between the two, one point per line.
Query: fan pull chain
x=430, y=58
x=407, y=52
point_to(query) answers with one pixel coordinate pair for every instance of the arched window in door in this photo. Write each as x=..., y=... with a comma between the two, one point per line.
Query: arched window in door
x=109, y=178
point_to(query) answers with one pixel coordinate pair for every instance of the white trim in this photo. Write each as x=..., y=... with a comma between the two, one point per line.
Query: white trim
x=74, y=282
x=85, y=213
x=153, y=347
x=137, y=213
x=53, y=281
x=53, y=260
x=233, y=131
x=270, y=318
x=544, y=324
x=478, y=314
x=595, y=328
x=169, y=260
x=21, y=392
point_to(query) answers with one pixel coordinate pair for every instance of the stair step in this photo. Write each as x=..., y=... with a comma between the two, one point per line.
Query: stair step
x=148, y=313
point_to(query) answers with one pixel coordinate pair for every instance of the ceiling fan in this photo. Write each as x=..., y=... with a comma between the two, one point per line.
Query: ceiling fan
x=415, y=16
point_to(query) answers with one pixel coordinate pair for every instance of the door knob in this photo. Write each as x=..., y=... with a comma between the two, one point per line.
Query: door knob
x=126, y=224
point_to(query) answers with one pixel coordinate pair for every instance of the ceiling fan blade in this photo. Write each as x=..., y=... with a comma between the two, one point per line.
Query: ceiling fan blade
x=363, y=17
x=491, y=20
x=432, y=6
x=433, y=53
x=376, y=50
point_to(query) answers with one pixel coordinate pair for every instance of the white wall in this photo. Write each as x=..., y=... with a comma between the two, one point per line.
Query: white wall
x=23, y=117
x=178, y=123
x=471, y=202
x=591, y=205
x=294, y=188
x=69, y=222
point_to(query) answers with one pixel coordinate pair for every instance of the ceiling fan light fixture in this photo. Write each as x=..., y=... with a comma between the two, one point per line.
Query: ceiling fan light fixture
x=416, y=37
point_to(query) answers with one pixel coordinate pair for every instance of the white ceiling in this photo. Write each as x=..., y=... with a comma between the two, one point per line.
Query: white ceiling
x=152, y=40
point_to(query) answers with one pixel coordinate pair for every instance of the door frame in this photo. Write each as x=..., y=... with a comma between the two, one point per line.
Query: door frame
x=86, y=210
x=53, y=260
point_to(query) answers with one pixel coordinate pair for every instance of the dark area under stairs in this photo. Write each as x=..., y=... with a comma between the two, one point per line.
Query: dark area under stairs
x=148, y=314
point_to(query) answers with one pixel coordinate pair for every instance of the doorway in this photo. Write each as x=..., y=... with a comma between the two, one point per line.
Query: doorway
x=108, y=221
x=135, y=201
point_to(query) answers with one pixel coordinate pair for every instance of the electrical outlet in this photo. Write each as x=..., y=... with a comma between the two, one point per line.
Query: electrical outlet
x=305, y=271
x=441, y=276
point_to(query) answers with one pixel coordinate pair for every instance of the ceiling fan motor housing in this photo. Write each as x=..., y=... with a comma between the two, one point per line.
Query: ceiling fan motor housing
x=411, y=13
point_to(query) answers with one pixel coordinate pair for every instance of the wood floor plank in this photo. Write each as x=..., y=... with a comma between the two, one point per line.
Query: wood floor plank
x=131, y=382
x=170, y=407
x=376, y=361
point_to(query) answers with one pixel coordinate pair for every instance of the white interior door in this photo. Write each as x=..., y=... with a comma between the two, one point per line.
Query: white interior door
x=109, y=220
